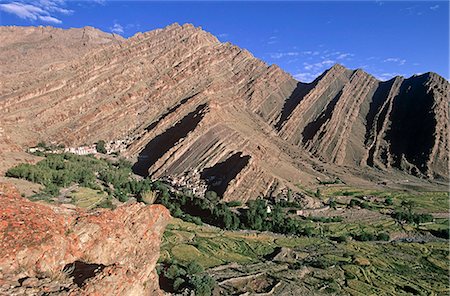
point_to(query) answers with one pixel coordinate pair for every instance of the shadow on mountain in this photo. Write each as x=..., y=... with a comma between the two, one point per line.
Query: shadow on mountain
x=220, y=175
x=171, y=110
x=313, y=127
x=412, y=123
x=373, y=127
x=300, y=91
x=157, y=147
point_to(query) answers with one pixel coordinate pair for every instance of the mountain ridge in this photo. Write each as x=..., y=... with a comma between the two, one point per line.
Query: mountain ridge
x=197, y=104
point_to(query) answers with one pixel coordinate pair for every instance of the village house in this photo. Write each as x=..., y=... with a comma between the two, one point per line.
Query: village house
x=82, y=150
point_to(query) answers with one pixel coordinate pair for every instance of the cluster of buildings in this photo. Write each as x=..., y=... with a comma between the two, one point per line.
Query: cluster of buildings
x=117, y=146
x=189, y=180
x=82, y=150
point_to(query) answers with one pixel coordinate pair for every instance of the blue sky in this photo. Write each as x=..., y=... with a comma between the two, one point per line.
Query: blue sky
x=385, y=38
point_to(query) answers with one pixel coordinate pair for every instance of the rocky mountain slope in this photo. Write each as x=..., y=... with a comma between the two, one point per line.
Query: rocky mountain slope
x=188, y=103
x=51, y=250
x=25, y=49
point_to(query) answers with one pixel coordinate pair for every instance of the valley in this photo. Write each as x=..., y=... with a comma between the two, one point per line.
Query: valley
x=274, y=186
x=352, y=241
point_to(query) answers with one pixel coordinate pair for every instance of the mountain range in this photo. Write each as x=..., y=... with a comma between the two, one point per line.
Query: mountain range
x=183, y=102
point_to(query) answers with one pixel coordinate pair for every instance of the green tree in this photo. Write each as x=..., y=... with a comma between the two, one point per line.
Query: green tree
x=203, y=285
x=177, y=283
x=100, y=147
x=318, y=193
x=194, y=268
x=211, y=196
x=174, y=271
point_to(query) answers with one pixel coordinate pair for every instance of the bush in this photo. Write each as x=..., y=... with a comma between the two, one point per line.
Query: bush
x=202, y=284
x=51, y=190
x=349, y=276
x=383, y=236
x=106, y=203
x=354, y=202
x=389, y=201
x=340, y=239
x=211, y=196
x=411, y=217
x=194, y=268
x=364, y=237
x=174, y=271
x=319, y=263
x=234, y=203
x=178, y=283
x=100, y=147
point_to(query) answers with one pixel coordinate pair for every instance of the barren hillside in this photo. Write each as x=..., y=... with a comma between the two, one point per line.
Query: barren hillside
x=193, y=104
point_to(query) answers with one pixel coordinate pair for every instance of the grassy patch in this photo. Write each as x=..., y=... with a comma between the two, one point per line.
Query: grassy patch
x=87, y=198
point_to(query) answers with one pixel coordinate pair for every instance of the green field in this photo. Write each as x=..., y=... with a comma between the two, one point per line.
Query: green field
x=356, y=268
x=87, y=198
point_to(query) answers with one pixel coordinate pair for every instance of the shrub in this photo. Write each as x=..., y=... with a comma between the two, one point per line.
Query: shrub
x=340, y=239
x=178, y=283
x=211, y=196
x=174, y=271
x=364, y=237
x=106, y=203
x=354, y=202
x=100, y=147
x=349, y=276
x=202, y=284
x=383, y=236
x=234, y=203
x=194, y=268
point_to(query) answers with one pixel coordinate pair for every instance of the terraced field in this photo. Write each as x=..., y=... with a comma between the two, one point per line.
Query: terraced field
x=412, y=262
x=87, y=198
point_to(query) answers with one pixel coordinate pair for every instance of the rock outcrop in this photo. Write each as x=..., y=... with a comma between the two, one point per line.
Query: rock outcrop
x=192, y=103
x=50, y=250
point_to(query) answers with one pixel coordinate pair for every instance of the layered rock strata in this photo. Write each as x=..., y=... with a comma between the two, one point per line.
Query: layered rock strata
x=192, y=103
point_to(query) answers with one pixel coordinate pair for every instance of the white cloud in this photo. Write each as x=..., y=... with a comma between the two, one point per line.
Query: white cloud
x=279, y=55
x=117, y=29
x=272, y=40
x=387, y=76
x=344, y=56
x=435, y=7
x=309, y=52
x=53, y=6
x=315, y=61
x=38, y=10
x=306, y=76
x=50, y=19
x=21, y=10
x=101, y=2
x=319, y=65
x=398, y=61
x=223, y=35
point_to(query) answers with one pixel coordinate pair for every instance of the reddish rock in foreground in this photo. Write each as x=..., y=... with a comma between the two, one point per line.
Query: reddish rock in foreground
x=54, y=250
